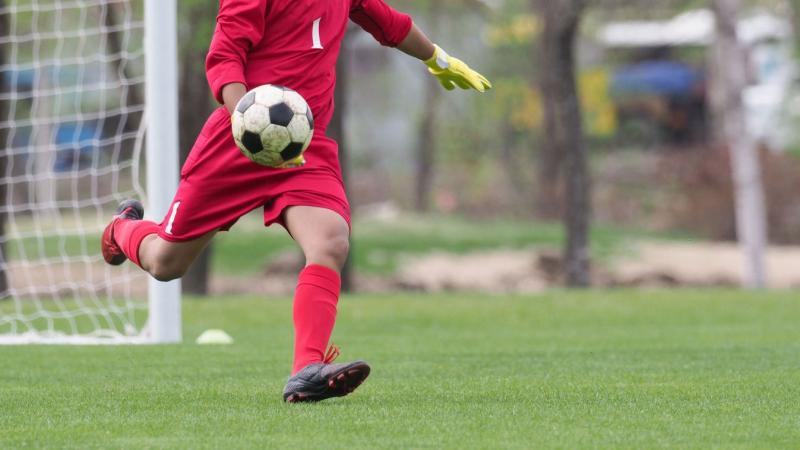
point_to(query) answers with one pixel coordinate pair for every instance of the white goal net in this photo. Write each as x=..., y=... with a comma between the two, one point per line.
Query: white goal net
x=72, y=107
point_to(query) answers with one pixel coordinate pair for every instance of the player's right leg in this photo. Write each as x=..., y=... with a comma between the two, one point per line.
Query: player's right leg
x=128, y=236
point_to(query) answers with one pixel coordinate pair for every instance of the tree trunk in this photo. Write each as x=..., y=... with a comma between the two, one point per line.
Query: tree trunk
x=426, y=147
x=132, y=94
x=564, y=130
x=4, y=154
x=195, y=106
x=425, y=157
x=549, y=158
x=730, y=70
x=338, y=131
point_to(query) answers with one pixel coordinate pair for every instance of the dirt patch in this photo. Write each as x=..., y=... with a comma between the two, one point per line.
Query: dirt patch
x=495, y=271
x=649, y=264
x=702, y=264
x=90, y=279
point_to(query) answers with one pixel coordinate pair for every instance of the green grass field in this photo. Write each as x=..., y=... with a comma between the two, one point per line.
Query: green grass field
x=614, y=369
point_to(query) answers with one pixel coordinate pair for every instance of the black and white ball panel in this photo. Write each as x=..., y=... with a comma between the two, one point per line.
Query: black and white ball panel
x=272, y=125
x=246, y=102
x=295, y=101
x=256, y=118
x=252, y=142
x=310, y=118
x=299, y=128
x=269, y=95
x=280, y=114
x=275, y=138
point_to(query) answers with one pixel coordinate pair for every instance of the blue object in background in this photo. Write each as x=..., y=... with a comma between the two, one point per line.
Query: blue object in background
x=76, y=142
x=19, y=80
x=667, y=78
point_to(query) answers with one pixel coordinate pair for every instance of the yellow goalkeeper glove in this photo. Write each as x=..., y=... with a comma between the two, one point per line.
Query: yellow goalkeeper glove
x=300, y=161
x=453, y=72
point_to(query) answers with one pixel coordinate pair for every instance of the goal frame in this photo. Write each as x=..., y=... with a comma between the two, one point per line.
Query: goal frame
x=161, y=105
x=160, y=132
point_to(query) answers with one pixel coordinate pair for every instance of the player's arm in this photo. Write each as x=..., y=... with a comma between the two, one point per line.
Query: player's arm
x=395, y=29
x=417, y=44
x=231, y=94
x=450, y=71
x=240, y=26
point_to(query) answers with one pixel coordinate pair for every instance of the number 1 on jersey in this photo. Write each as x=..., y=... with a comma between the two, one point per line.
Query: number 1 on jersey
x=315, y=35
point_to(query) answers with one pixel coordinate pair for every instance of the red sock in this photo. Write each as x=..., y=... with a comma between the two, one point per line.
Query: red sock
x=314, y=314
x=129, y=234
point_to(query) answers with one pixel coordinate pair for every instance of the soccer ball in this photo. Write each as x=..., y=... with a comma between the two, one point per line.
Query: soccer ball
x=272, y=125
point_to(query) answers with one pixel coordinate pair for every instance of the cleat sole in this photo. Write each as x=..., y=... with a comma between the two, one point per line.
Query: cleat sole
x=339, y=384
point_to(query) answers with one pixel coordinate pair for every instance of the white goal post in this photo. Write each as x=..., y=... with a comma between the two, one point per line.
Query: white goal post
x=161, y=35
x=85, y=87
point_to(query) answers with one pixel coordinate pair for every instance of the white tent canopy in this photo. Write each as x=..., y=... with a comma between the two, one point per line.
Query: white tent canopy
x=692, y=28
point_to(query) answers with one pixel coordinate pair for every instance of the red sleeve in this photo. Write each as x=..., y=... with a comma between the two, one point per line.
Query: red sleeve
x=388, y=26
x=240, y=26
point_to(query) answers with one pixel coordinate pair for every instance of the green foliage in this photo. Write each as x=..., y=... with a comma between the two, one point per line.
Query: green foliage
x=613, y=369
x=197, y=20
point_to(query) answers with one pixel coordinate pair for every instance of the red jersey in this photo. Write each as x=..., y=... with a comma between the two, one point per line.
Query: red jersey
x=294, y=43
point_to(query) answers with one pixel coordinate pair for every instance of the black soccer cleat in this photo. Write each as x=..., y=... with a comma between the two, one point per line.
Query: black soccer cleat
x=320, y=381
x=127, y=210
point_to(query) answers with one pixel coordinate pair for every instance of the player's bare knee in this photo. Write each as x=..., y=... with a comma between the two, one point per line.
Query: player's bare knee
x=166, y=273
x=167, y=268
x=332, y=251
x=338, y=248
x=163, y=273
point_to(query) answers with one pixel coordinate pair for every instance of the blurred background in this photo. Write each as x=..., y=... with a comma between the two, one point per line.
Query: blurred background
x=630, y=182
x=625, y=143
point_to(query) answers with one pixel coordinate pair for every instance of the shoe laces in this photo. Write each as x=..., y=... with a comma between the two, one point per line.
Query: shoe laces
x=123, y=214
x=331, y=354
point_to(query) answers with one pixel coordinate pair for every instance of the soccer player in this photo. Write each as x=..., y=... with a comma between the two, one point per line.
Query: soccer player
x=293, y=43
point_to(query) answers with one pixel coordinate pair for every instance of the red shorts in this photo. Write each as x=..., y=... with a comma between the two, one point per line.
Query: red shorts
x=219, y=184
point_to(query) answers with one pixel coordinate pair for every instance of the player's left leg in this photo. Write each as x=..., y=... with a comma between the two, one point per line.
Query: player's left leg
x=323, y=236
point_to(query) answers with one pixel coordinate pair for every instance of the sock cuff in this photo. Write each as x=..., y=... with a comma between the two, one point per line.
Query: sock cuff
x=321, y=277
x=139, y=229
